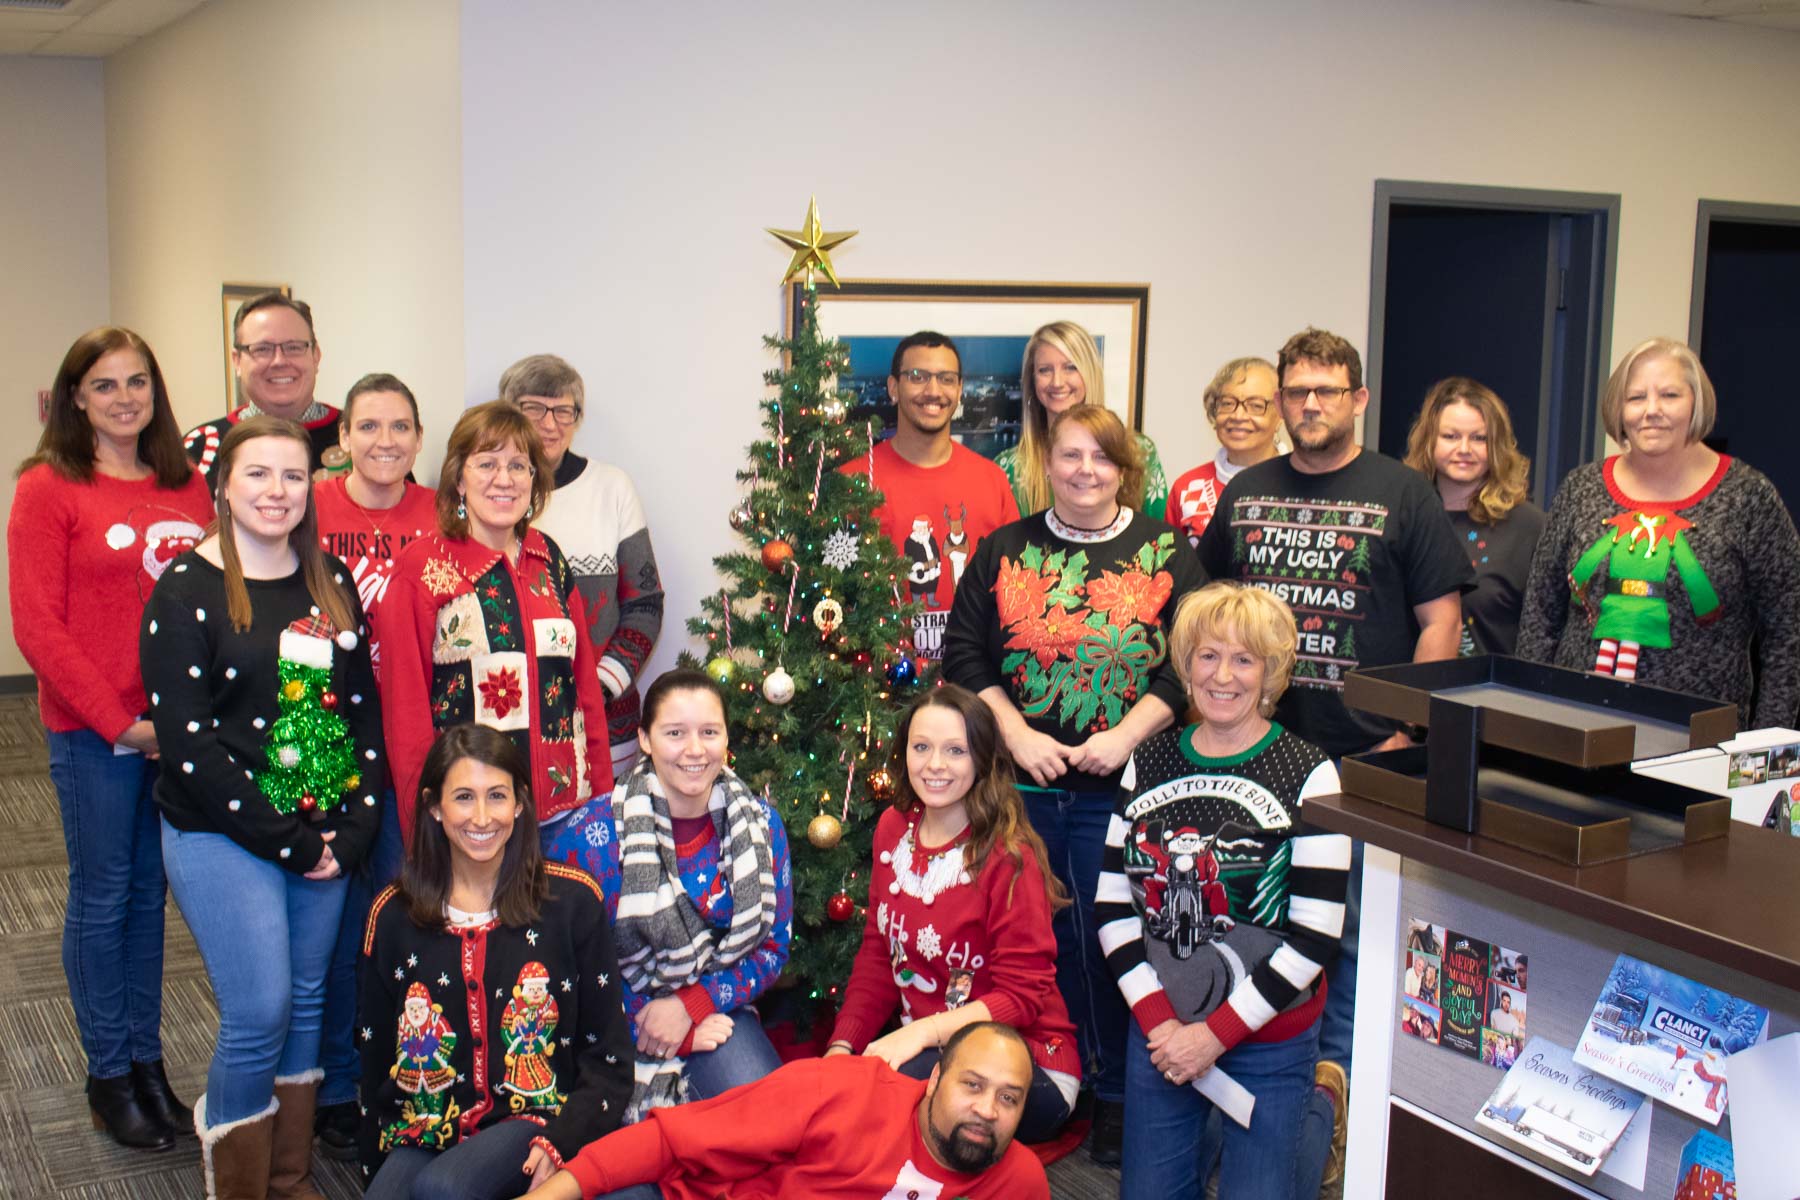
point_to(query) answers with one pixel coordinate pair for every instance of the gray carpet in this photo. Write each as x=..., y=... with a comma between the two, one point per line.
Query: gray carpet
x=48, y=1147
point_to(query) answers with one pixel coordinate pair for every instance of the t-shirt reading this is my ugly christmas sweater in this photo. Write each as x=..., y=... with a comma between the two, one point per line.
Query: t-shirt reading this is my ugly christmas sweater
x=1073, y=624
x=1352, y=551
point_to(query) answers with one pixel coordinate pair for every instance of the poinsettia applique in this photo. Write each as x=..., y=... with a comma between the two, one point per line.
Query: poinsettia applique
x=502, y=691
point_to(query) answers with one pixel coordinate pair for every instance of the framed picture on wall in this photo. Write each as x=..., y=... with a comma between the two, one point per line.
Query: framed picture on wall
x=990, y=324
x=230, y=296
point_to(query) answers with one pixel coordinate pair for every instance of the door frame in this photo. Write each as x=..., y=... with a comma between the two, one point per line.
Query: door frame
x=1707, y=212
x=1603, y=205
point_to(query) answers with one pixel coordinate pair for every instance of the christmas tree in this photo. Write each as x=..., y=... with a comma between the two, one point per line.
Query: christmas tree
x=810, y=635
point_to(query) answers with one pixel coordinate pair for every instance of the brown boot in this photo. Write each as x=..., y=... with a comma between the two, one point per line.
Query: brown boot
x=291, y=1148
x=235, y=1156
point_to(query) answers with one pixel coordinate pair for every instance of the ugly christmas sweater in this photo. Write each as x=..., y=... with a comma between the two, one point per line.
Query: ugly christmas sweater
x=1692, y=582
x=84, y=558
x=216, y=697
x=1073, y=624
x=596, y=518
x=1217, y=902
x=590, y=840
x=845, y=1127
x=462, y=1027
x=937, y=939
x=202, y=441
x=469, y=635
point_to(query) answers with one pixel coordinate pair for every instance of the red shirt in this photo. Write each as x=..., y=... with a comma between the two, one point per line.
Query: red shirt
x=988, y=940
x=845, y=1127
x=936, y=516
x=370, y=539
x=82, y=560
x=1192, y=499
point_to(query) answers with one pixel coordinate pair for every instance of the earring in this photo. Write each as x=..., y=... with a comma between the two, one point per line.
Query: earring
x=530, y=511
x=462, y=511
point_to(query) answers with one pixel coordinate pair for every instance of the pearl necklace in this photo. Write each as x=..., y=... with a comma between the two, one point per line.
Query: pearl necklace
x=943, y=868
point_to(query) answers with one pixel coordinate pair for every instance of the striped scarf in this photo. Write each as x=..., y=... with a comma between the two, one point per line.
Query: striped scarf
x=663, y=942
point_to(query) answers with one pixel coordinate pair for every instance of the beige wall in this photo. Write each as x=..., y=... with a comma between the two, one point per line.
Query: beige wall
x=316, y=145
x=53, y=286
x=620, y=163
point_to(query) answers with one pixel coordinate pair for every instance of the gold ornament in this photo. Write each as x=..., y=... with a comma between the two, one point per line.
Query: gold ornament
x=824, y=831
x=881, y=784
x=721, y=670
x=827, y=615
x=294, y=690
x=812, y=245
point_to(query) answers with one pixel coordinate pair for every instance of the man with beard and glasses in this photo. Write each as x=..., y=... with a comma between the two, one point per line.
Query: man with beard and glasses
x=848, y=1127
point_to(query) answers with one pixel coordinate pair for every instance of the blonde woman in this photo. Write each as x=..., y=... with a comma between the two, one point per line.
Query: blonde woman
x=1462, y=441
x=1062, y=371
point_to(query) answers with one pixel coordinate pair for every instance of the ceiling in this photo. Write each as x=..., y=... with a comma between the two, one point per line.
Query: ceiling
x=1771, y=14
x=83, y=28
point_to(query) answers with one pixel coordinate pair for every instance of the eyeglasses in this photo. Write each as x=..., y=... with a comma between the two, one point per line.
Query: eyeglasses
x=1326, y=395
x=565, y=414
x=917, y=378
x=488, y=468
x=263, y=352
x=1252, y=406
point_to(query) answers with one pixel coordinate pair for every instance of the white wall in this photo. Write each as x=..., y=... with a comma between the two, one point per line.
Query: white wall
x=316, y=145
x=620, y=163
x=53, y=287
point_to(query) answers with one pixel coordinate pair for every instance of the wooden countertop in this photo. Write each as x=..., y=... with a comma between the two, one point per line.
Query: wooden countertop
x=1734, y=900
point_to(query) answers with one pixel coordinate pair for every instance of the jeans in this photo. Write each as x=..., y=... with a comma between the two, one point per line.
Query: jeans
x=1045, y=1108
x=487, y=1166
x=746, y=1057
x=265, y=935
x=1337, y=1027
x=1073, y=826
x=1164, y=1123
x=112, y=945
x=337, y=1046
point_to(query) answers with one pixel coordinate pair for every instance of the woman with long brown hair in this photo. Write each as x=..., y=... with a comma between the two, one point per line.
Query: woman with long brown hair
x=255, y=654
x=960, y=898
x=104, y=503
x=1462, y=441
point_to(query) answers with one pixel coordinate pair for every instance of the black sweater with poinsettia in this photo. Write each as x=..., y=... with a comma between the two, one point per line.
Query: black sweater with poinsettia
x=214, y=694
x=1073, y=624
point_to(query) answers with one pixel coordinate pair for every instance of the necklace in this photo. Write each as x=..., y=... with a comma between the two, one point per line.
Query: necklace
x=943, y=868
x=1076, y=533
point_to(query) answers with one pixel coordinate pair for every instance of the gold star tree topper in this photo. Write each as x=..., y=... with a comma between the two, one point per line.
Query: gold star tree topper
x=812, y=245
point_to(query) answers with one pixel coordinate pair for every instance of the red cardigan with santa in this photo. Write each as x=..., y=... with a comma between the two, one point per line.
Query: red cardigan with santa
x=938, y=938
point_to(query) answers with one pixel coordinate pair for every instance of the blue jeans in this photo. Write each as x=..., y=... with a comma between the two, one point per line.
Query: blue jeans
x=337, y=1047
x=487, y=1166
x=1073, y=826
x=1045, y=1109
x=1164, y=1123
x=266, y=937
x=112, y=945
x=1337, y=1027
x=746, y=1057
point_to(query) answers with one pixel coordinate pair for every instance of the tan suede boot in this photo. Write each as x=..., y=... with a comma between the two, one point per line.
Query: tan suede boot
x=291, y=1147
x=235, y=1156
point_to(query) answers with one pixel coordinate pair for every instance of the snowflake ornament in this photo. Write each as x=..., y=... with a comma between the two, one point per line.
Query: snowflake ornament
x=840, y=550
x=929, y=944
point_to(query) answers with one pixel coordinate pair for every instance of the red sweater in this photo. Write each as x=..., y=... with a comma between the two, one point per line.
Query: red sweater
x=468, y=635
x=82, y=560
x=369, y=540
x=971, y=939
x=841, y=1127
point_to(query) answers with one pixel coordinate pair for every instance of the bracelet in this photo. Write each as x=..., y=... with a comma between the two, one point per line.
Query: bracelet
x=833, y=1045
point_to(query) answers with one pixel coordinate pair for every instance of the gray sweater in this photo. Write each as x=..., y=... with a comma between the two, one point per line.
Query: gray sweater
x=1746, y=544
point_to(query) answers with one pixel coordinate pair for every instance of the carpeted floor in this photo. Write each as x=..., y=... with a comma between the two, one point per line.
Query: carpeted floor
x=48, y=1148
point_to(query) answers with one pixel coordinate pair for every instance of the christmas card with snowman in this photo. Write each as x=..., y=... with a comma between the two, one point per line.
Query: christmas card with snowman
x=1668, y=1036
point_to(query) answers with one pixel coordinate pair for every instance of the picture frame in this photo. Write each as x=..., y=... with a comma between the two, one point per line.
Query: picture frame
x=230, y=296
x=990, y=322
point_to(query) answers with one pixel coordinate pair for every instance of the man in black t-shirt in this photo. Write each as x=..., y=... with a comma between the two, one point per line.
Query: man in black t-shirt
x=1359, y=546
x=1356, y=543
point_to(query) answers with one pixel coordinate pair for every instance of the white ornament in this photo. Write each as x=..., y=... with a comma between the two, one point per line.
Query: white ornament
x=840, y=550
x=288, y=756
x=778, y=688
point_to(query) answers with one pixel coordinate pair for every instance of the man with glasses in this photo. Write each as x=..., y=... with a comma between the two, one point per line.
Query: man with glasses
x=1359, y=546
x=1240, y=403
x=939, y=498
x=597, y=519
x=276, y=357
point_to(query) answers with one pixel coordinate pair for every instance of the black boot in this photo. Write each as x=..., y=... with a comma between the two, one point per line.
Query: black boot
x=158, y=1099
x=114, y=1105
x=1108, y=1132
x=337, y=1126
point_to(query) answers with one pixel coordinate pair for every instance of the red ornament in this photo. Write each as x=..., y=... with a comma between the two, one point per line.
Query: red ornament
x=840, y=908
x=308, y=803
x=881, y=784
x=776, y=554
x=328, y=701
